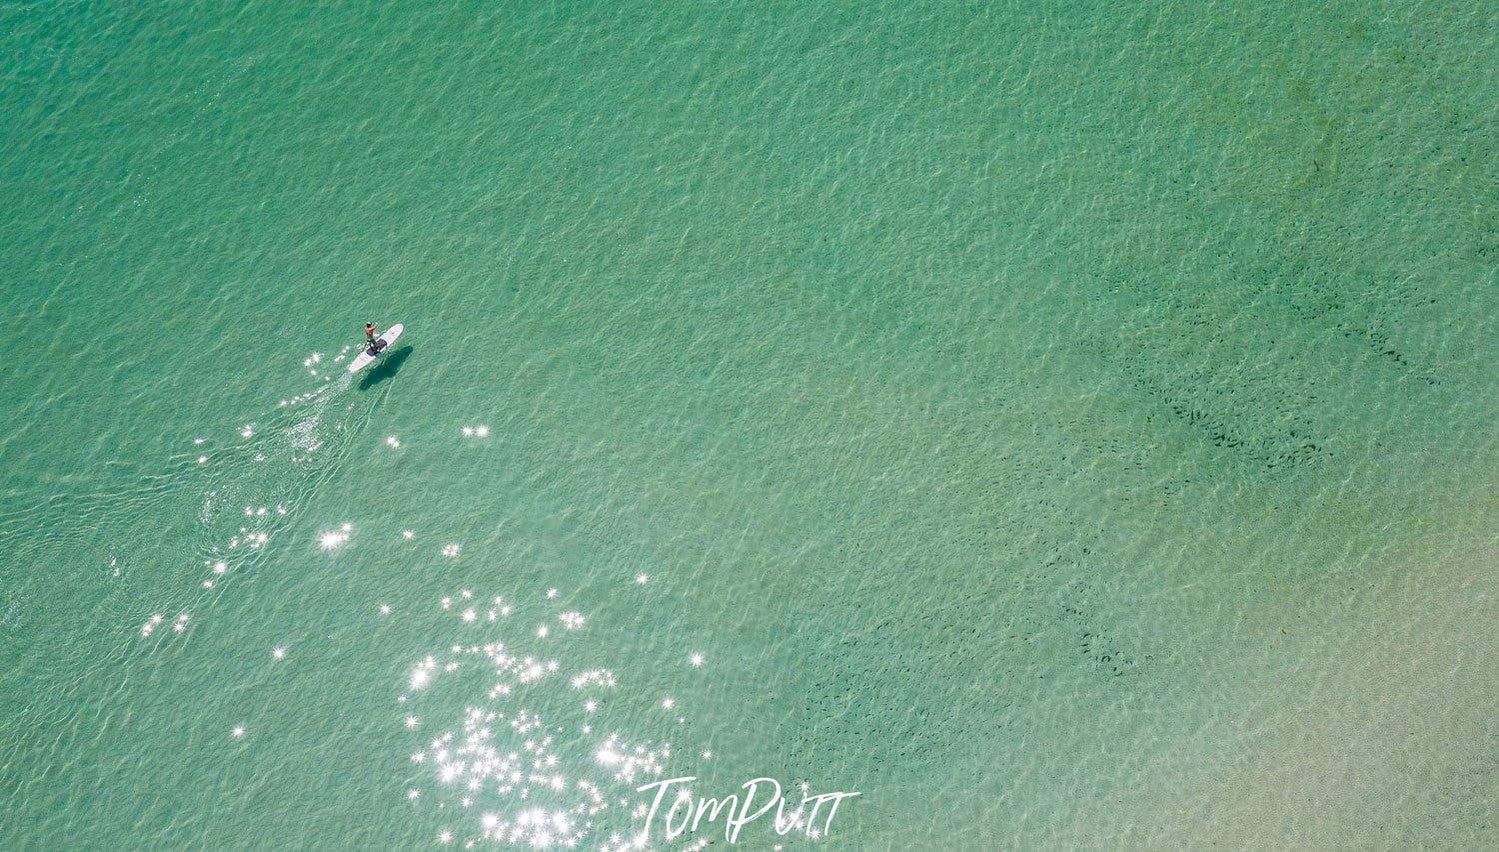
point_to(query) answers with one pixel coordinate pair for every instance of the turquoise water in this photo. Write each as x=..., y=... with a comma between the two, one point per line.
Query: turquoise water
x=1064, y=424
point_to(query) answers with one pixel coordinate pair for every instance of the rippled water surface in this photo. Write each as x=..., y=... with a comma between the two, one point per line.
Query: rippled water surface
x=1063, y=423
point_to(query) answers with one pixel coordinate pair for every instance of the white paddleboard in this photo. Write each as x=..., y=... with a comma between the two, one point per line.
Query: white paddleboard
x=382, y=343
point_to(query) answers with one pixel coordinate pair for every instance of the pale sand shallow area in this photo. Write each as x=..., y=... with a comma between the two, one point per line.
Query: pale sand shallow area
x=1363, y=718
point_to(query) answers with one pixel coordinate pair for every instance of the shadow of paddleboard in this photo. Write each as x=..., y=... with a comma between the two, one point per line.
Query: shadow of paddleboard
x=385, y=368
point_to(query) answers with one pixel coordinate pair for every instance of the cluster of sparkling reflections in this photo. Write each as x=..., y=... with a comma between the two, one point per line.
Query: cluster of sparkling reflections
x=526, y=762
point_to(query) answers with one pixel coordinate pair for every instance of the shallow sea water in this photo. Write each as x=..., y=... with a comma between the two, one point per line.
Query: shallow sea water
x=1065, y=424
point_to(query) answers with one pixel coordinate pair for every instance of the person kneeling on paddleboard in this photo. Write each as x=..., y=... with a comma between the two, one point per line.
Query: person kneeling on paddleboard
x=369, y=338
